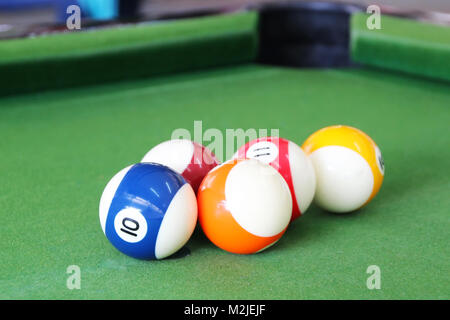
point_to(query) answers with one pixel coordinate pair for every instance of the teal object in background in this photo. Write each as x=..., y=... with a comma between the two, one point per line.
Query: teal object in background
x=100, y=9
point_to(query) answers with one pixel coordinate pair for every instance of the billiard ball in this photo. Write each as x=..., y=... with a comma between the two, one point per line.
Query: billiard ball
x=190, y=159
x=291, y=162
x=148, y=211
x=349, y=167
x=244, y=206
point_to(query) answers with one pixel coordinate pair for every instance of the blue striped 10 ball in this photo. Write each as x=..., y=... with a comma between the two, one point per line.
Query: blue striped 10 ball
x=148, y=211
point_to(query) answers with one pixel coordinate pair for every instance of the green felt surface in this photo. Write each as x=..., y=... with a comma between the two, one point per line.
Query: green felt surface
x=59, y=149
x=129, y=52
x=404, y=45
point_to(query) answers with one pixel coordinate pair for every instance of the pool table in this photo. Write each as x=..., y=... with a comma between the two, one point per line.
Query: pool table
x=76, y=107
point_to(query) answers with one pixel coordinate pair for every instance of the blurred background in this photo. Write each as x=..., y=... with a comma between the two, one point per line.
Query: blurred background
x=19, y=18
